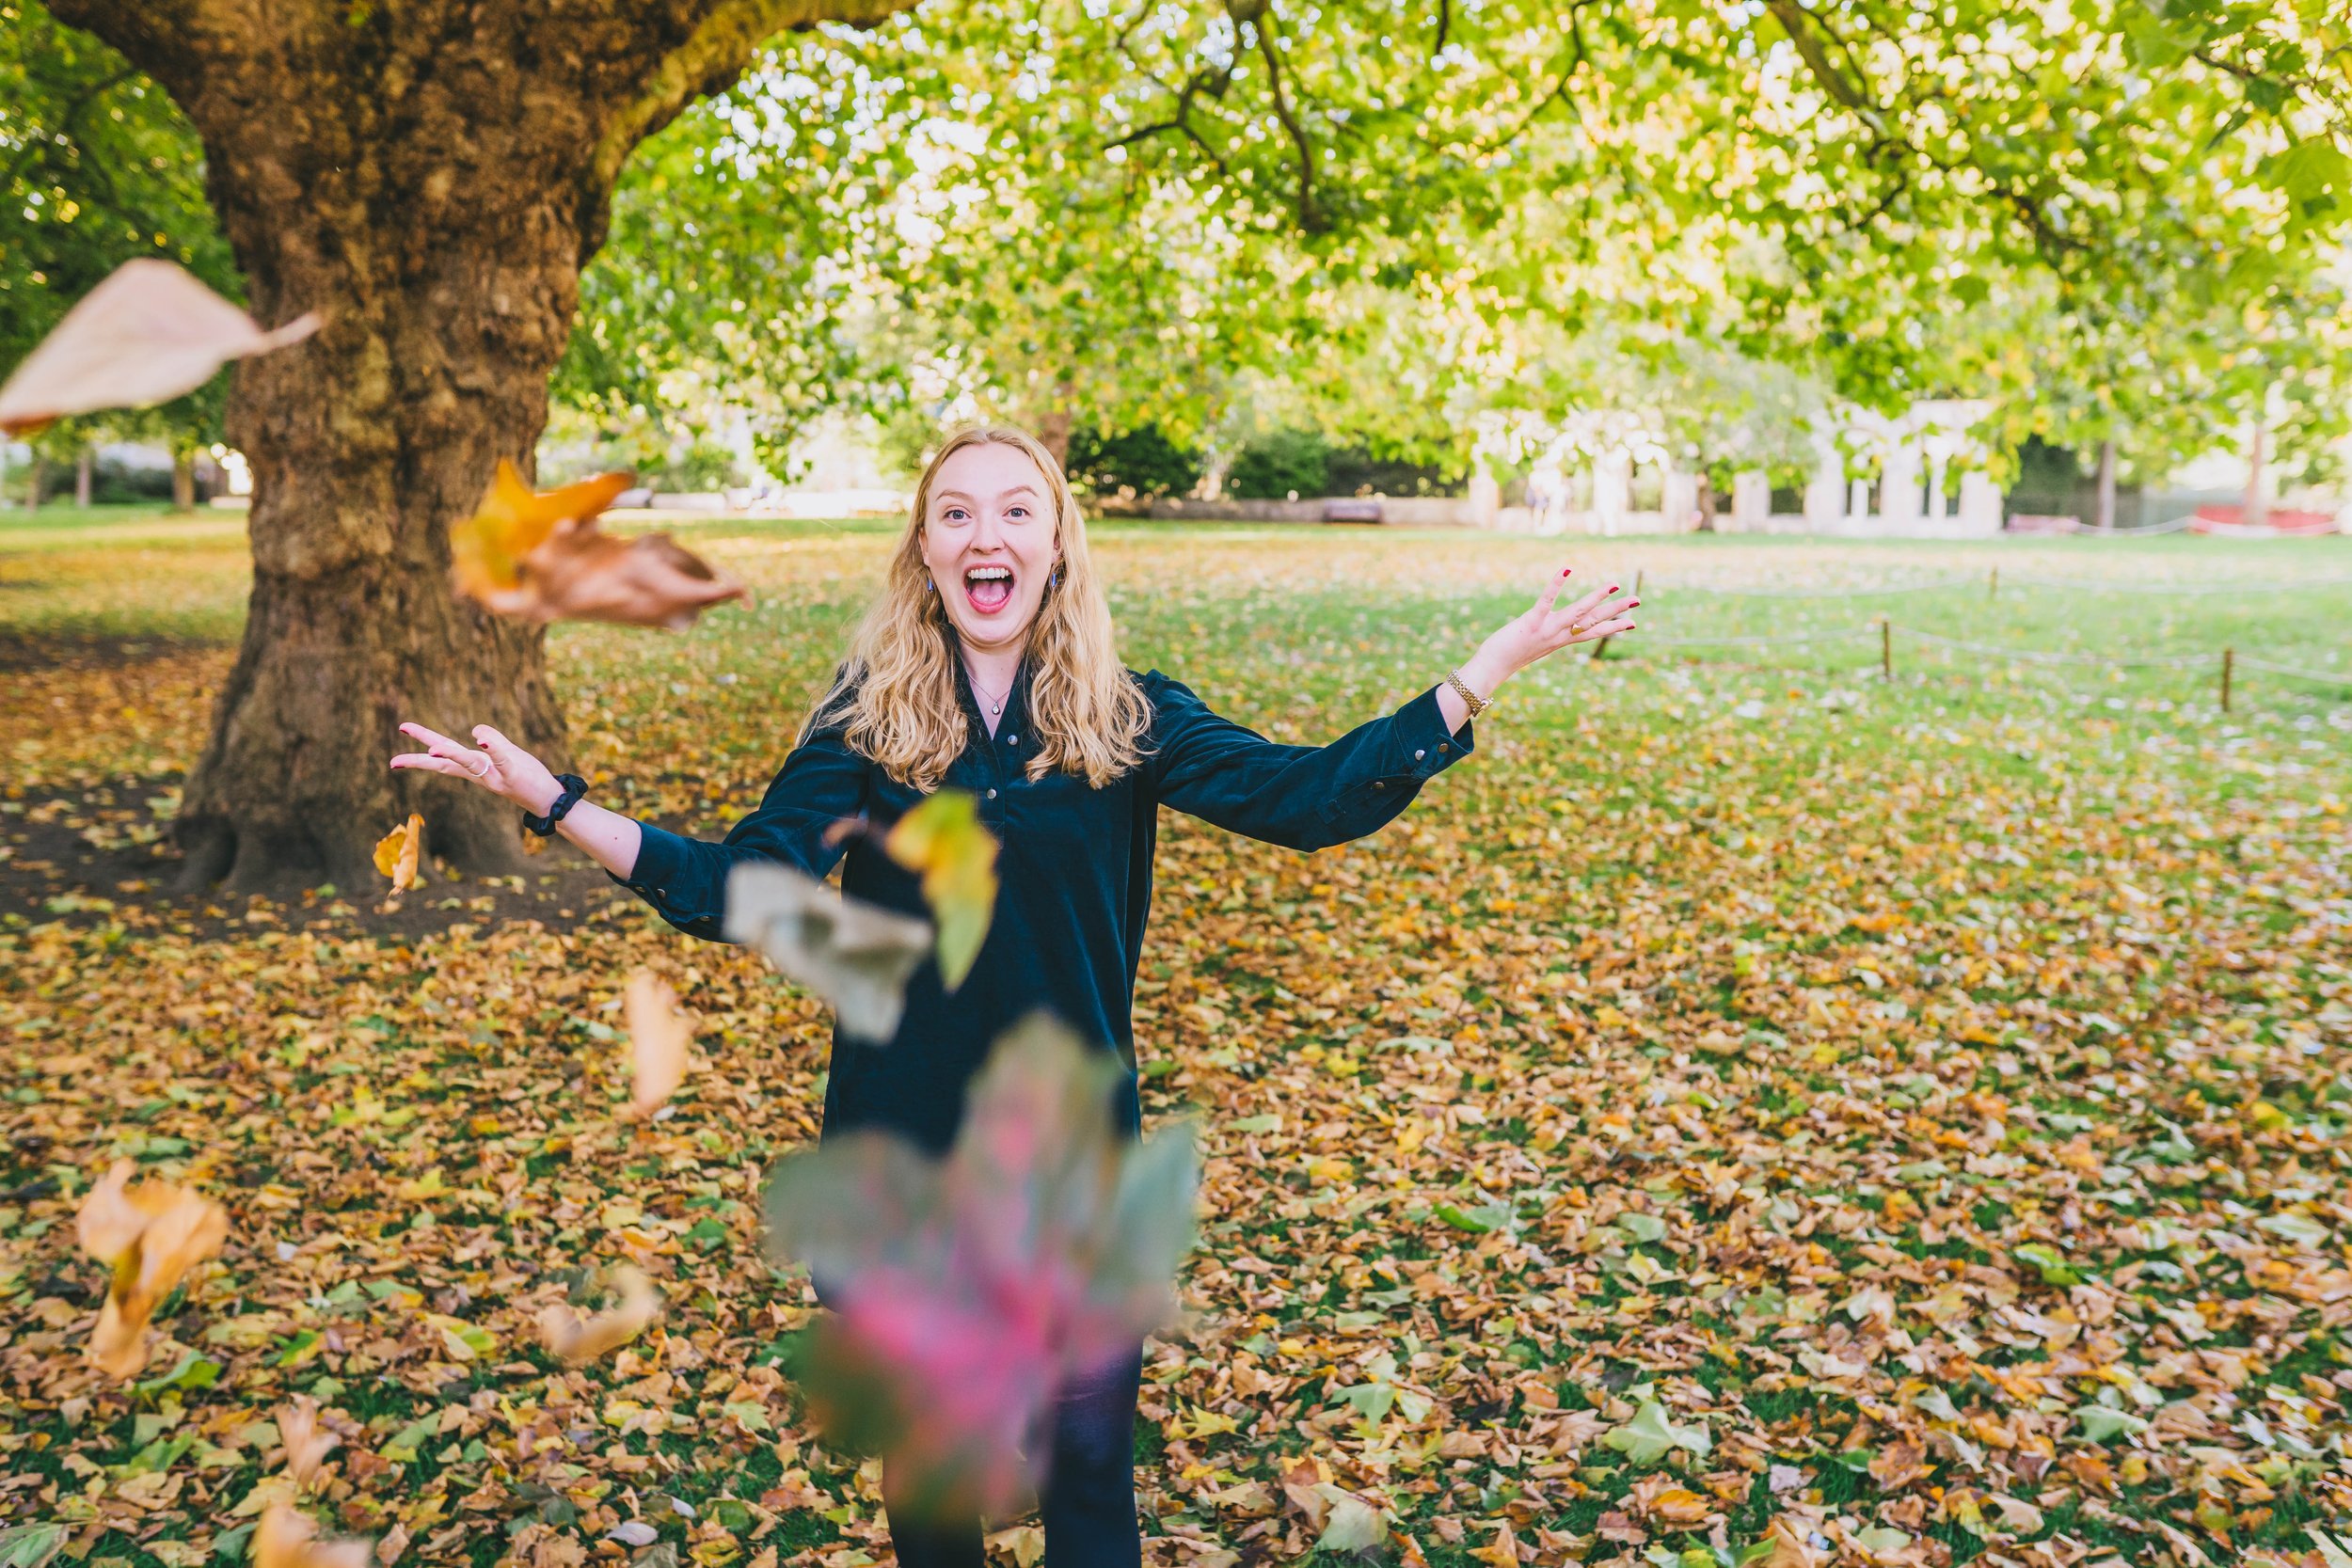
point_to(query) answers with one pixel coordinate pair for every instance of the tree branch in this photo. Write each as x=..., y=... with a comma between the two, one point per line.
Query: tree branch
x=1798, y=24
x=1309, y=220
x=721, y=49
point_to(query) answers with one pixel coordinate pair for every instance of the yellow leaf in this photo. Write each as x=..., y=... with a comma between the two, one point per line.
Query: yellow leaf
x=574, y=1339
x=658, y=1038
x=151, y=1234
x=486, y=549
x=400, y=851
x=942, y=839
x=287, y=1539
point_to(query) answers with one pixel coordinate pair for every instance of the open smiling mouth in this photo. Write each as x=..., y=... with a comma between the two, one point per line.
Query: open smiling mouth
x=988, y=588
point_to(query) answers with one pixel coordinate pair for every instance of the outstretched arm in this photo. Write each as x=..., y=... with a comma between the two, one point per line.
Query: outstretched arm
x=1310, y=797
x=1546, y=628
x=508, y=771
x=684, y=879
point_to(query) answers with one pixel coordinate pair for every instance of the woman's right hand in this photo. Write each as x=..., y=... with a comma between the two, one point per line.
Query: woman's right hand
x=500, y=767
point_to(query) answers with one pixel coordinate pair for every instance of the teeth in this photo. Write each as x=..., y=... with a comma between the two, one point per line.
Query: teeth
x=988, y=574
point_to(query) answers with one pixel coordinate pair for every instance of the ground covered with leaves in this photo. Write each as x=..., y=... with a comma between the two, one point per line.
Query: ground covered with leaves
x=1751, y=1111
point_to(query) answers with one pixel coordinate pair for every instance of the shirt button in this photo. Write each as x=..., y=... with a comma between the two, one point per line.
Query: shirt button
x=1380, y=783
x=1443, y=747
x=992, y=795
x=1013, y=740
x=1418, y=755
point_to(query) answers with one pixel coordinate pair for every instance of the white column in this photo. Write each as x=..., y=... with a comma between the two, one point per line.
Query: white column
x=1979, y=503
x=1678, y=499
x=1751, y=502
x=1899, y=490
x=1612, y=490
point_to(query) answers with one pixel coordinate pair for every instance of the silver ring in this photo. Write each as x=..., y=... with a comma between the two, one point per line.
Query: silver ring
x=486, y=768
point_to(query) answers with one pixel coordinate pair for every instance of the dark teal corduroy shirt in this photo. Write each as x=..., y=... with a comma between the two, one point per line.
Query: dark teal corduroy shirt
x=1075, y=872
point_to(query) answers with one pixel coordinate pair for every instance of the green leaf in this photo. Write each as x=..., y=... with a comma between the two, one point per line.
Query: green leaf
x=1372, y=1400
x=1266, y=1122
x=1650, y=1436
x=1354, y=1526
x=2314, y=168
x=942, y=839
x=1478, y=1221
x=405, y=1444
x=2103, y=1425
x=1641, y=1227
x=30, y=1545
x=2303, y=1230
x=2054, y=1269
x=193, y=1373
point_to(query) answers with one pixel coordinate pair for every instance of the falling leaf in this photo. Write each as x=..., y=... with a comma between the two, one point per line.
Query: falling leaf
x=487, y=549
x=306, y=1442
x=855, y=955
x=575, y=1340
x=967, y=1290
x=288, y=1539
x=150, y=1235
x=146, y=334
x=400, y=852
x=942, y=839
x=541, y=556
x=658, y=1034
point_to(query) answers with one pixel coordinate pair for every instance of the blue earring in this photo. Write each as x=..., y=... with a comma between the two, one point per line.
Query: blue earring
x=927, y=586
x=1057, y=582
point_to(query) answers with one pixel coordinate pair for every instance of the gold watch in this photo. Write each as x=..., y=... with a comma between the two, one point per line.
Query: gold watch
x=1471, y=700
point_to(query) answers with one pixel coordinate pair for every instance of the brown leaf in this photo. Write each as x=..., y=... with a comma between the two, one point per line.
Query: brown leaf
x=148, y=333
x=153, y=1233
x=400, y=852
x=574, y=1340
x=286, y=1538
x=1899, y=1465
x=658, y=1034
x=541, y=557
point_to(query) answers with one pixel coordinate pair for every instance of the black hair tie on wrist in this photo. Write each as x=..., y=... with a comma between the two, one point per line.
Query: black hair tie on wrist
x=574, y=788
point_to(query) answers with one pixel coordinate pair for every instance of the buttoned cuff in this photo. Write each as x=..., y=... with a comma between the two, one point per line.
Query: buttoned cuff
x=1429, y=748
x=659, y=854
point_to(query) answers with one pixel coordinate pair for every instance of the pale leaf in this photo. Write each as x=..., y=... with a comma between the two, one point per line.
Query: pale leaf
x=575, y=1339
x=147, y=334
x=658, y=1034
x=854, y=955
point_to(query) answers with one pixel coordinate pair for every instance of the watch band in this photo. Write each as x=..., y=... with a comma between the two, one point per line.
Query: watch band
x=1471, y=700
x=574, y=788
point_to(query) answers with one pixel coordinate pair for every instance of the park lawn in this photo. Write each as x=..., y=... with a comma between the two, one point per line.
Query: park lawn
x=1927, y=1093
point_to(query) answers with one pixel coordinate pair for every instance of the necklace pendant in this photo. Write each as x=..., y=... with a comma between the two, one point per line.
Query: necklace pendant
x=996, y=708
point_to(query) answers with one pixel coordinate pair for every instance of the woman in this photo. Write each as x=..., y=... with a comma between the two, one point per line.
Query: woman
x=987, y=664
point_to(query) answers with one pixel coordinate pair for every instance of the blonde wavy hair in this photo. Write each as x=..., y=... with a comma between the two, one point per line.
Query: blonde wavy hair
x=895, y=697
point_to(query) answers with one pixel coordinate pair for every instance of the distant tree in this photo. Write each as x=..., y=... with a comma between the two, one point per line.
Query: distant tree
x=1142, y=461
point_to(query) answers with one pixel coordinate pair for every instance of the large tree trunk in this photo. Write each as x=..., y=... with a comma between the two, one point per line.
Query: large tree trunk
x=430, y=178
x=83, y=463
x=183, y=482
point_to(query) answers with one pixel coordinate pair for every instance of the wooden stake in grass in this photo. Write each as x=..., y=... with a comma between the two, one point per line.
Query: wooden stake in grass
x=1993, y=584
x=1886, y=650
x=2229, y=666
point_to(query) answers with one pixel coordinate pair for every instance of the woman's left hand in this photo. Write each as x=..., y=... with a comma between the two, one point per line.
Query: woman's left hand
x=1549, y=627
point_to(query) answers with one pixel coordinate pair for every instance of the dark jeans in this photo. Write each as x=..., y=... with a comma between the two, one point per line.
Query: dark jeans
x=1089, y=1507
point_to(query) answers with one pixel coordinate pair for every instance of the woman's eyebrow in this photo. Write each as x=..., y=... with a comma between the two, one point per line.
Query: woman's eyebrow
x=1030, y=490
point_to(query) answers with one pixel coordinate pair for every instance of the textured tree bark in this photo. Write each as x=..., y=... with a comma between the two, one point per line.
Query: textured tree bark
x=430, y=178
x=83, y=463
x=183, y=482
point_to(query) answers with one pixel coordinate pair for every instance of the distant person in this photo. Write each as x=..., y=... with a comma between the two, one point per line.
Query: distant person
x=988, y=664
